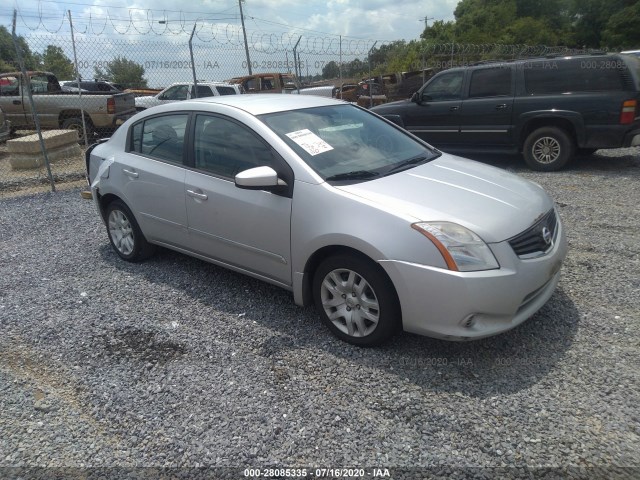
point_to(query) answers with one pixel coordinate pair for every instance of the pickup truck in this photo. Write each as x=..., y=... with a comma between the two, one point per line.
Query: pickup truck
x=280, y=83
x=185, y=91
x=103, y=111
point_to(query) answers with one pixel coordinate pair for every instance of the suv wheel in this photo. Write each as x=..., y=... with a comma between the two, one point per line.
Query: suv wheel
x=547, y=149
x=356, y=300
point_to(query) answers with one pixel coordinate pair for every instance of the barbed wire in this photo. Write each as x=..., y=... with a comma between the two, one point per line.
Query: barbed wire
x=223, y=31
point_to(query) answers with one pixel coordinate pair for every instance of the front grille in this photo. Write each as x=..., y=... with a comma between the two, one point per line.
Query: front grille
x=532, y=241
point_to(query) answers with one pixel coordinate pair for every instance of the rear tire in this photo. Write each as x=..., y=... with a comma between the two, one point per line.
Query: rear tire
x=548, y=149
x=125, y=235
x=356, y=300
x=75, y=123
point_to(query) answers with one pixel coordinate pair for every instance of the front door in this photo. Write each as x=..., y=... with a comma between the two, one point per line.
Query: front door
x=435, y=118
x=248, y=229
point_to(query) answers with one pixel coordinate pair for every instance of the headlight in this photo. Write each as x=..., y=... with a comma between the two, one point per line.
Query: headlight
x=462, y=249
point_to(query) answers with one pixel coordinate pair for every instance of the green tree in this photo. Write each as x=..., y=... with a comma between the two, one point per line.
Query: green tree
x=331, y=70
x=478, y=21
x=123, y=71
x=623, y=28
x=54, y=60
x=529, y=31
x=440, y=32
x=8, y=57
x=590, y=18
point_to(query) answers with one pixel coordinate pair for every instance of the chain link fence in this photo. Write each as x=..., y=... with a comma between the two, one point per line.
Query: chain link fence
x=145, y=62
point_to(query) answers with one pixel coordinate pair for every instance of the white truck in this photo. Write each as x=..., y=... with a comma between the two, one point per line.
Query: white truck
x=185, y=91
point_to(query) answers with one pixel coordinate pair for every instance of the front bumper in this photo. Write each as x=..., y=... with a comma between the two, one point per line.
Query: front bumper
x=471, y=305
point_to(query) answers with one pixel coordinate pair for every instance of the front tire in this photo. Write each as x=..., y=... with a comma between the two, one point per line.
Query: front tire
x=125, y=235
x=356, y=300
x=548, y=149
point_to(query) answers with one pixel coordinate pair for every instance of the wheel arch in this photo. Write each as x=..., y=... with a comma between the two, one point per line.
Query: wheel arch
x=572, y=125
x=73, y=113
x=105, y=200
x=316, y=258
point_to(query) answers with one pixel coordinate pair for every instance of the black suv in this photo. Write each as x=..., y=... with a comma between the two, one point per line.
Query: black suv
x=550, y=109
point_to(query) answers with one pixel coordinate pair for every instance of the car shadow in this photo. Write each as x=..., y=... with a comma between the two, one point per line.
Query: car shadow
x=503, y=364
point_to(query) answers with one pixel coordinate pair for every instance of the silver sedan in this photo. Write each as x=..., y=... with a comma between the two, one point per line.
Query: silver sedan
x=349, y=212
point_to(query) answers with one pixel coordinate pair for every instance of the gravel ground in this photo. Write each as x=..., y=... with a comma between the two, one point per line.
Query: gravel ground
x=179, y=364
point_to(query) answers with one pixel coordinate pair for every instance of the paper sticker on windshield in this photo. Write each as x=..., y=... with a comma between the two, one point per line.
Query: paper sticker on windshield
x=311, y=143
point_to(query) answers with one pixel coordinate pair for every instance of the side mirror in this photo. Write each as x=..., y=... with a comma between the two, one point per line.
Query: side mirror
x=259, y=178
x=415, y=98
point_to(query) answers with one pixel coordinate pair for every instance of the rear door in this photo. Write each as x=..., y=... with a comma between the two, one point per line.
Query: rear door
x=152, y=174
x=436, y=117
x=487, y=111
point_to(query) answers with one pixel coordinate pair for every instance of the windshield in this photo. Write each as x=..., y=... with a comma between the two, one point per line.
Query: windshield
x=347, y=144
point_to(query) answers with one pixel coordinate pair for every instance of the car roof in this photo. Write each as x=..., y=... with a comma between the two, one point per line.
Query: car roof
x=258, y=104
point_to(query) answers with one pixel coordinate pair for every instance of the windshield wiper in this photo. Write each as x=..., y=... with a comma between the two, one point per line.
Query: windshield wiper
x=406, y=164
x=354, y=175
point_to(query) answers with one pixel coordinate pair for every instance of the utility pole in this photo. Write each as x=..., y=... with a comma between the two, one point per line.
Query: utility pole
x=426, y=22
x=244, y=32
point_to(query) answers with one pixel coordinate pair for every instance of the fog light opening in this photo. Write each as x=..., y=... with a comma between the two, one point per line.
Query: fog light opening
x=470, y=321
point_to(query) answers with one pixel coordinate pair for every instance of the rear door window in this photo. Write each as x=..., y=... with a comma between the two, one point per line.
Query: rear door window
x=491, y=82
x=160, y=137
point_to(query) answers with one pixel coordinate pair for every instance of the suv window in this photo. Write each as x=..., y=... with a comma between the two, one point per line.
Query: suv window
x=203, y=91
x=160, y=137
x=490, y=82
x=225, y=148
x=226, y=90
x=447, y=86
x=573, y=75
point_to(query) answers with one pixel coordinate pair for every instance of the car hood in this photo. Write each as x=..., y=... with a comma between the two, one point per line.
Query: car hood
x=493, y=203
x=389, y=107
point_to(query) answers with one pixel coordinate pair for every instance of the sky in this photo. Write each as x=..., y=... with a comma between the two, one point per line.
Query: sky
x=117, y=27
x=381, y=20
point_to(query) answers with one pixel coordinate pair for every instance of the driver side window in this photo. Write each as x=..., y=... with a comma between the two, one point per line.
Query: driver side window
x=225, y=148
x=445, y=87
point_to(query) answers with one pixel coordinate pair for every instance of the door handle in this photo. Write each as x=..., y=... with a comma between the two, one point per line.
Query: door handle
x=17, y=102
x=502, y=106
x=129, y=173
x=199, y=196
x=453, y=109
